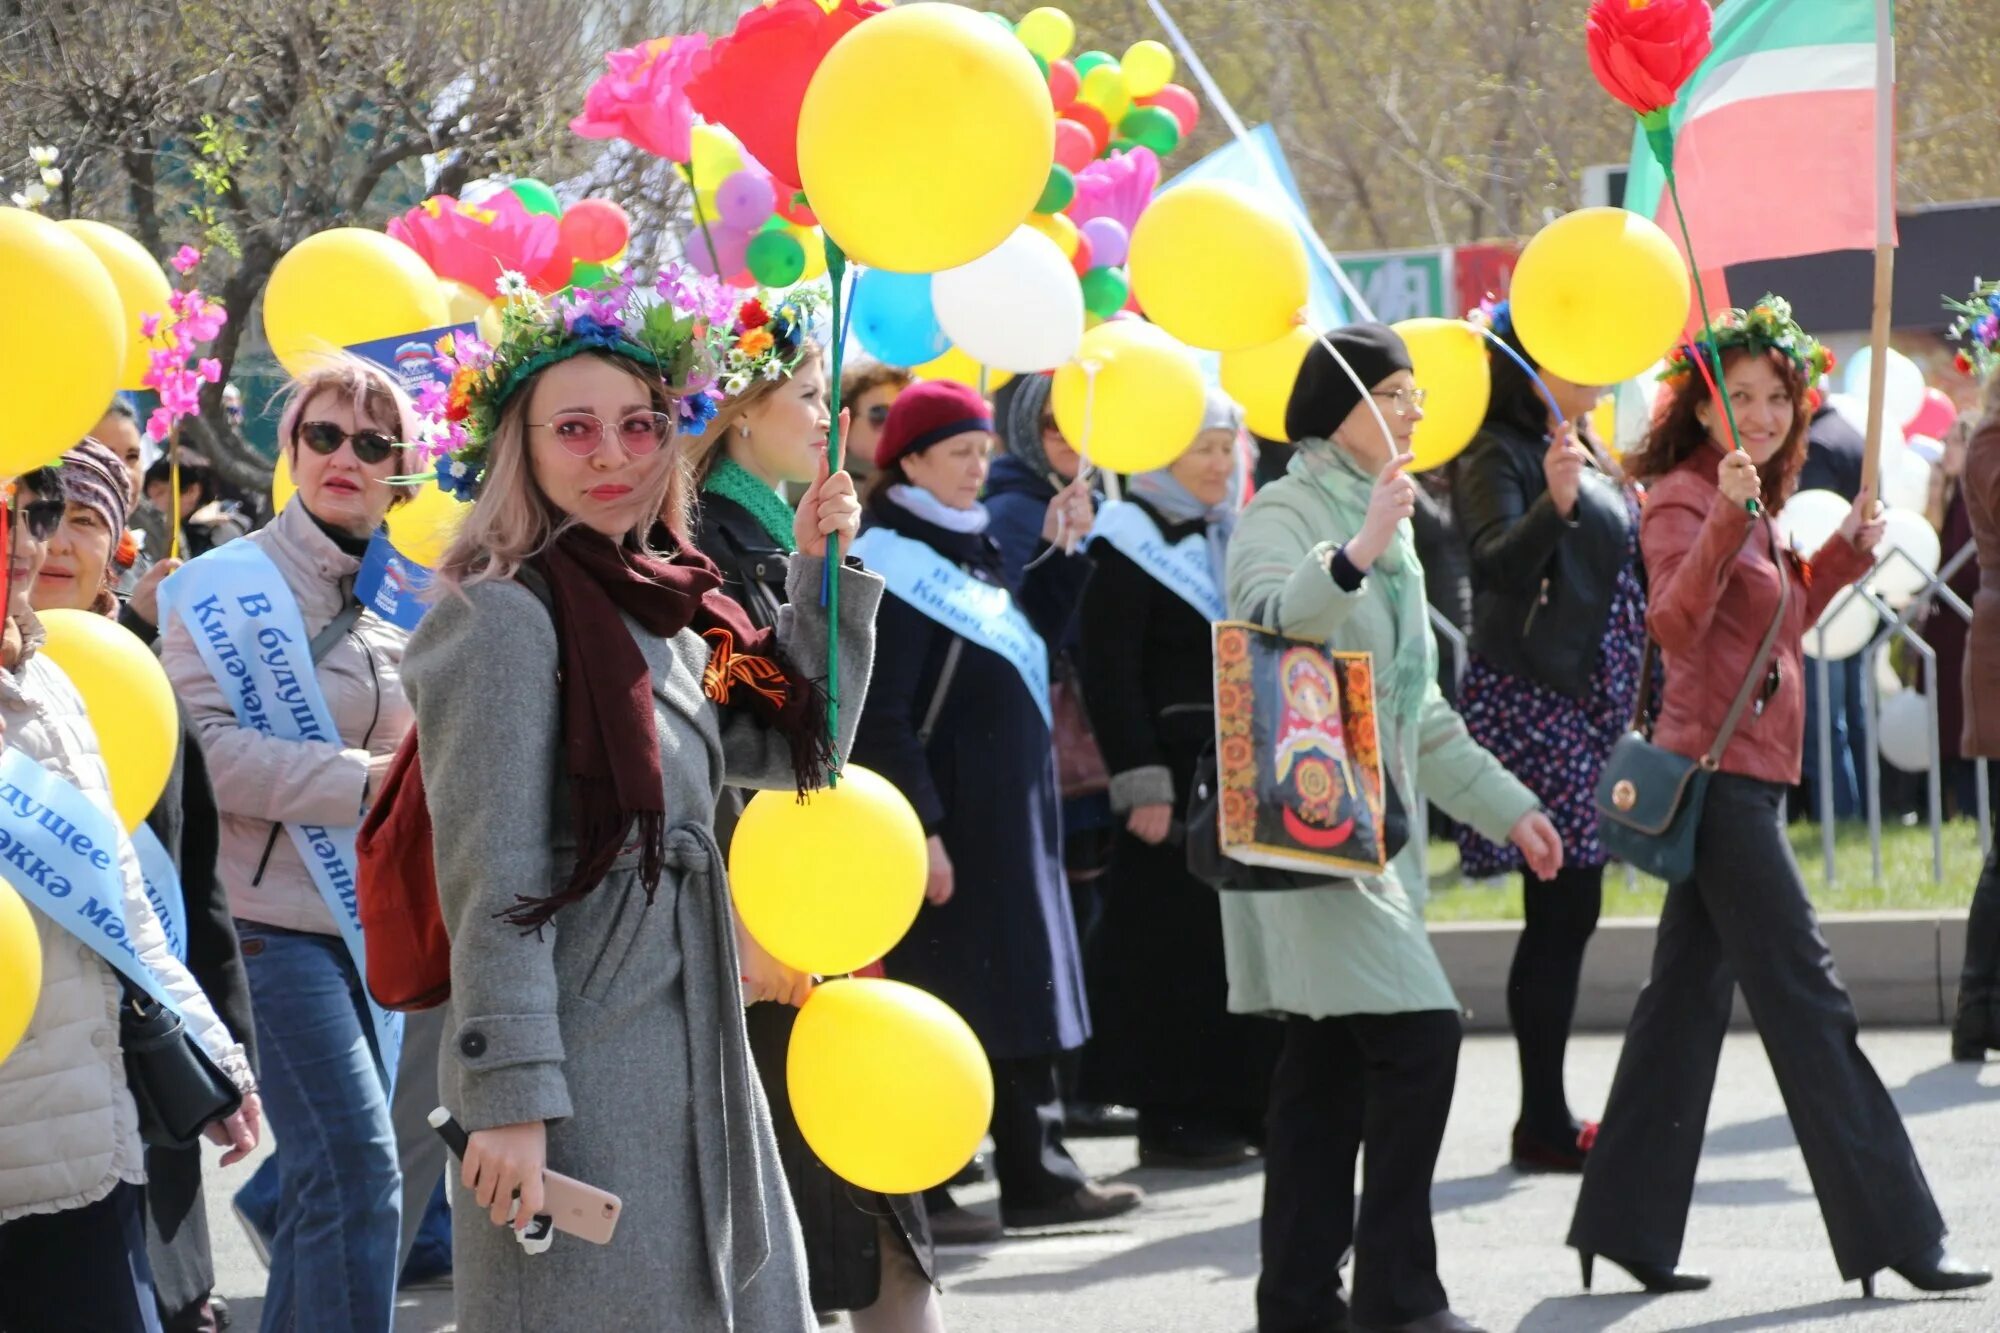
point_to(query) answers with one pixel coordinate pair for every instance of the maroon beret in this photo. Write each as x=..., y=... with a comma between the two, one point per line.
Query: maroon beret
x=927, y=413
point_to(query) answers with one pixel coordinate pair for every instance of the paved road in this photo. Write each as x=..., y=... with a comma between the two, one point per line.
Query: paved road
x=1188, y=1262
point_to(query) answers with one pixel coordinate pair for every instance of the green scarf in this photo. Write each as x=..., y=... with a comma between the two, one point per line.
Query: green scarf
x=732, y=481
x=1402, y=683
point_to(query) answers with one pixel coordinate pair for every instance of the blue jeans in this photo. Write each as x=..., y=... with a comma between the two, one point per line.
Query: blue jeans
x=1850, y=757
x=333, y=1254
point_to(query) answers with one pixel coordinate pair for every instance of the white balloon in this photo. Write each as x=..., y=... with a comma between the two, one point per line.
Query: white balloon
x=1904, y=394
x=1887, y=683
x=1854, y=411
x=1906, y=479
x=1896, y=581
x=1850, y=624
x=1810, y=517
x=1924, y=447
x=1903, y=731
x=1017, y=307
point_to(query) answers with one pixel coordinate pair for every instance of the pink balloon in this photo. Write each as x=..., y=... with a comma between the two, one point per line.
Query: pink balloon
x=1935, y=417
x=745, y=200
x=1178, y=102
x=1108, y=240
x=1074, y=146
x=695, y=246
x=1063, y=85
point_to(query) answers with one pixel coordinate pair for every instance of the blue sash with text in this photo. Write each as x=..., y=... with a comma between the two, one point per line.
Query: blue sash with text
x=1182, y=567
x=59, y=849
x=973, y=610
x=163, y=888
x=246, y=623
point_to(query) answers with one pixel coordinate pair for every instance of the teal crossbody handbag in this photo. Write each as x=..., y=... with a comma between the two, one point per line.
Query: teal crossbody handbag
x=1649, y=799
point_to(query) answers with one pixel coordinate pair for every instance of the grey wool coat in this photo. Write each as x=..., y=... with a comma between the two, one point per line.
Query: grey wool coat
x=622, y=1025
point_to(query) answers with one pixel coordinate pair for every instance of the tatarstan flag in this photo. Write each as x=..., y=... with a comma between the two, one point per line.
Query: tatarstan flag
x=1774, y=136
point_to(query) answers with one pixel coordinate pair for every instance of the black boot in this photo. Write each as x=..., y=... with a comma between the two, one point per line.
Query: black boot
x=1976, y=1029
x=1933, y=1270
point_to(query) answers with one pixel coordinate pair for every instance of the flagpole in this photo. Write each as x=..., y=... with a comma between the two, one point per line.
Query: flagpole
x=1885, y=234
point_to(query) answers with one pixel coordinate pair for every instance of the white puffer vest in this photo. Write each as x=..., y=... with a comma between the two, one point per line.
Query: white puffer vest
x=69, y=1131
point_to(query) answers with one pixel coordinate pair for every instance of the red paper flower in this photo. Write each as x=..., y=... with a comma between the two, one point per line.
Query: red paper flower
x=1642, y=51
x=754, y=80
x=753, y=315
x=643, y=99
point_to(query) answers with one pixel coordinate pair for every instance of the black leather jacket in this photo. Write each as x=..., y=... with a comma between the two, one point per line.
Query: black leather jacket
x=753, y=565
x=1541, y=584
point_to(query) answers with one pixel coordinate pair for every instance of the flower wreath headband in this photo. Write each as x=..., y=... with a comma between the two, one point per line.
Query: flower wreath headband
x=1766, y=326
x=1977, y=328
x=695, y=333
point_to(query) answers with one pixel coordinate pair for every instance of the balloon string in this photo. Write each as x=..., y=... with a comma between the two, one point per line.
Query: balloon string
x=1522, y=362
x=1704, y=346
x=1084, y=465
x=1367, y=394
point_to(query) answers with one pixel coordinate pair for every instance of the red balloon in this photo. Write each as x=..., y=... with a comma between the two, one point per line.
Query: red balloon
x=554, y=275
x=1935, y=417
x=1088, y=116
x=791, y=206
x=1084, y=259
x=594, y=230
x=1063, y=84
x=1183, y=105
x=743, y=279
x=1074, y=145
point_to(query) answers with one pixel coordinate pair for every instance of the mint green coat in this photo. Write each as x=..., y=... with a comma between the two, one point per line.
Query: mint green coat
x=1360, y=949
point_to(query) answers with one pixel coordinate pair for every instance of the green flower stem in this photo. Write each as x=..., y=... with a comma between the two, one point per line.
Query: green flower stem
x=701, y=221
x=836, y=271
x=1706, y=344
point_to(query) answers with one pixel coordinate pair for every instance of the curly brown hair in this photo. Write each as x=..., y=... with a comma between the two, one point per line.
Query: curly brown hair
x=1677, y=430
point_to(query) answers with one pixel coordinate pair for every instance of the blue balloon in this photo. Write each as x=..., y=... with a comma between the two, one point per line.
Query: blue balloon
x=892, y=318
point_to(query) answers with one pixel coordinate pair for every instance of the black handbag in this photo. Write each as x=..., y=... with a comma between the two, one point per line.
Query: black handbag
x=1649, y=799
x=178, y=1089
x=1225, y=874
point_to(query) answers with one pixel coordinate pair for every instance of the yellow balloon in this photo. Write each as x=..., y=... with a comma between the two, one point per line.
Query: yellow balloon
x=283, y=488
x=62, y=342
x=422, y=528
x=957, y=365
x=1217, y=268
x=346, y=285
x=142, y=286
x=20, y=969
x=130, y=703
x=830, y=883
x=717, y=156
x=1599, y=295
x=1132, y=398
x=489, y=322
x=1604, y=423
x=974, y=139
x=462, y=304
x=1149, y=67
x=814, y=244
x=1105, y=89
x=1048, y=32
x=1260, y=379
x=890, y=1087
x=1059, y=228
x=1448, y=358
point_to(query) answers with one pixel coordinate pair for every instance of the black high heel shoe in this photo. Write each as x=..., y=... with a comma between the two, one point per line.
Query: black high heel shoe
x=1658, y=1279
x=1933, y=1270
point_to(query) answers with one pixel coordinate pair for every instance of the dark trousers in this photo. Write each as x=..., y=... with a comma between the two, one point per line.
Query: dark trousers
x=1377, y=1086
x=1541, y=992
x=1979, y=980
x=82, y=1270
x=1744, y=917
x=1029, y=1160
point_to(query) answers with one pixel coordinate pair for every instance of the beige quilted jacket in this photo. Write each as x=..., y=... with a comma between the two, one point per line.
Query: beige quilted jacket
x=69, y=1131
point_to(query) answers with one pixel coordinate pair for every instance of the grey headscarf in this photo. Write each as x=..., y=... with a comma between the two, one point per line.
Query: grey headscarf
x=1027, y=397
x=1177, y=504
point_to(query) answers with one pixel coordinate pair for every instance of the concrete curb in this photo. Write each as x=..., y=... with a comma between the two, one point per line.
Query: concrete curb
x=1900, y=967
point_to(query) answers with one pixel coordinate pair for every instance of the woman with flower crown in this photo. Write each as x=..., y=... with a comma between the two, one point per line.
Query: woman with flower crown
x=1729, y=607
x=581, y=700
x=866, y=1253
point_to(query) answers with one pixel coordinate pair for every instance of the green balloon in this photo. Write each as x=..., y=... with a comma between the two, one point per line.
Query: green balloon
x=775, y=258
x=537, y=198
x=1090, y=60
x=1121, y=145
x=1153, y=126
x=1001, y=19
x=1041, y=65
x=1105, y=291
x=1056, y=195
x=590, y=275
x=776, y=222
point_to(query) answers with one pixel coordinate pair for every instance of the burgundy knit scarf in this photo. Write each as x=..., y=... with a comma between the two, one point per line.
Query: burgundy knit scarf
x=610, y=745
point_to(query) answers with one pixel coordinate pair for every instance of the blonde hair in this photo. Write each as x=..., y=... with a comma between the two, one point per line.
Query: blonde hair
x=710, y=446
x=513, y=520
x=378, y=400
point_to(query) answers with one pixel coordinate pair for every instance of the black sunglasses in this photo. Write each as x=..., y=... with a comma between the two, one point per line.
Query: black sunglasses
x=325, y=438
x=43, y=517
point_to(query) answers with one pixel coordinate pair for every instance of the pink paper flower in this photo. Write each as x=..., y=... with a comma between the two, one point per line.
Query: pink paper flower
x=160, y=424
x=149, y=325
x=1118, y=187
x=476, y=243
x=185, y=260
x=643, y=99
x=211, y=370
